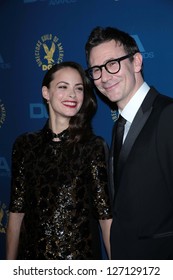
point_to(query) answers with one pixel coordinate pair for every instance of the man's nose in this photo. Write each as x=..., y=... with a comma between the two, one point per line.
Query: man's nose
x=105, y=75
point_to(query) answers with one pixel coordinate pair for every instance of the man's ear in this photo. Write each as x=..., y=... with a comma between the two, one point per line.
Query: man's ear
x=138, y=60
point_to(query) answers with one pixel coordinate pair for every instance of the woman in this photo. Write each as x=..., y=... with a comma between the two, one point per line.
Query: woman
x=59, y=177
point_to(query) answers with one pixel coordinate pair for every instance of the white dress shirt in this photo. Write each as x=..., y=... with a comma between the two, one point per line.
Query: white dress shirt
x=133, y=106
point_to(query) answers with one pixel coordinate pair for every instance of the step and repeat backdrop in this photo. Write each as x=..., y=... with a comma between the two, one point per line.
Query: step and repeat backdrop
x=32, y=29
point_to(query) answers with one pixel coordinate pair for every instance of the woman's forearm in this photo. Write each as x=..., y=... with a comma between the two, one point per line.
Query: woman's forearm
x=105, y=227
x=13, y=233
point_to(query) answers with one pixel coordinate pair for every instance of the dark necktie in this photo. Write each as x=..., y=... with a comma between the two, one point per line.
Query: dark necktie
x=119, y=132
x=119, y=136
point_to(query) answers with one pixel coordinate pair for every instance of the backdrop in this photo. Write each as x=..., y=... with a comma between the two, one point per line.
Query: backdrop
x=29, y=27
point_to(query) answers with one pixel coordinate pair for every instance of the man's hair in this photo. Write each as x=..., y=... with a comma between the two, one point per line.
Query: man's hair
x=100, y=35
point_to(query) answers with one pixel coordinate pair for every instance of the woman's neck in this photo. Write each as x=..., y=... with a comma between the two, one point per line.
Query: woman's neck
x=57, y=126
x=58, y=129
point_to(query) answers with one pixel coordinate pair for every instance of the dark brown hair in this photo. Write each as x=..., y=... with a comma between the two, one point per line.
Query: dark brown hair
x=100, y=35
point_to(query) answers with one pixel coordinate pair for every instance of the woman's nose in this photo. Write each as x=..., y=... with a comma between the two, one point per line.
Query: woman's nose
x=72, y=94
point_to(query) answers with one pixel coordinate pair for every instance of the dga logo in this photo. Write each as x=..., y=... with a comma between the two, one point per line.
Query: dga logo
x=37, y=111
x=3, y=217
x=2, y=113
x=48, y=51
x=145, y=54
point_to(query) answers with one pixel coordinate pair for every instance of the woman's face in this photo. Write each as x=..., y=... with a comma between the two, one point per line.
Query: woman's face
x=65, y=94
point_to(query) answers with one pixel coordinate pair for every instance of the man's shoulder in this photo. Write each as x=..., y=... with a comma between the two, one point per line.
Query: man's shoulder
x=161, y=100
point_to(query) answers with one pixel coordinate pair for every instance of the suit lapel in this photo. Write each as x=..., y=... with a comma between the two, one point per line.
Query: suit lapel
x=137, y=125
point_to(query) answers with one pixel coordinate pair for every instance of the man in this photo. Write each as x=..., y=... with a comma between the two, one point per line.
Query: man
x=142, y=180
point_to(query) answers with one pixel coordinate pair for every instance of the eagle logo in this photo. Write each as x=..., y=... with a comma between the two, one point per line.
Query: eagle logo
x=49, y=52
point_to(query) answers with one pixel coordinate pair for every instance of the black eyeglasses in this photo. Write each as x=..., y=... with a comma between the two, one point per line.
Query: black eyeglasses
x=112, y=66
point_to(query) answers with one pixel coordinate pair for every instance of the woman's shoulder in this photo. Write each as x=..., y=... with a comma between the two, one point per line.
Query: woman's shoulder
x=97, y=143
x=27, y=137
x=98, y=140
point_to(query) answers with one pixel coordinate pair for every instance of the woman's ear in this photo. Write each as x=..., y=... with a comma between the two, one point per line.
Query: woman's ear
x=138, y=60
x=45, y=93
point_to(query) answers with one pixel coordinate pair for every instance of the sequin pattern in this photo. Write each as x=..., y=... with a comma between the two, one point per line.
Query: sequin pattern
x=63, y=195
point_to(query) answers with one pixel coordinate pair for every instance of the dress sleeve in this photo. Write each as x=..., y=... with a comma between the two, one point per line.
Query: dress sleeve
x=17, y=199
x=99, y=179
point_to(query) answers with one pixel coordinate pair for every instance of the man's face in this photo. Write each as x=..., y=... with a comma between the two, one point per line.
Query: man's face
x=119, y=87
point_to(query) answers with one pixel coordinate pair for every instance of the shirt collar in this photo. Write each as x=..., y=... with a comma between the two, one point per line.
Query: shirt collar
x=135, y=102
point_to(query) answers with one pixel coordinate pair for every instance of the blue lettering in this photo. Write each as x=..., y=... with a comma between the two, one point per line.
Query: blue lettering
x=138, y=41
x=57, y=2
x=32, y=1
x=29, y=1
x=4, y=165
x=38, y=111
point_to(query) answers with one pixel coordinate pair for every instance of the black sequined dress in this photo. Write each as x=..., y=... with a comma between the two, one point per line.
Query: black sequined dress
x=63, y=195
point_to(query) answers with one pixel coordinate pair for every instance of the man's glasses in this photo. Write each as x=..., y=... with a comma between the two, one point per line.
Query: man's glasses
x=112, y=66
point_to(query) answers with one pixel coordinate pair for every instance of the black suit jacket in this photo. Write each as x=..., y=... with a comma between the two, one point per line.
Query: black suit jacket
x=142, y=204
